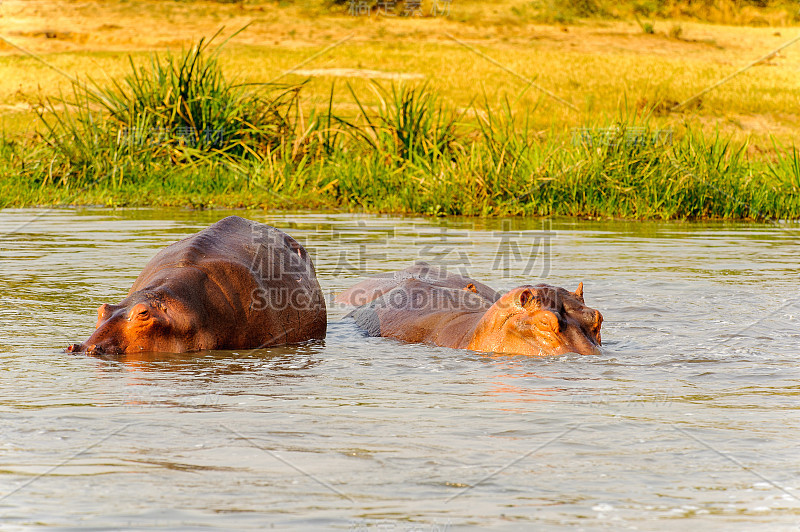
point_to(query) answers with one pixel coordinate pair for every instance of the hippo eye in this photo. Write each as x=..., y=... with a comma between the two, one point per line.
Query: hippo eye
x=548, y=320
x=140, y=312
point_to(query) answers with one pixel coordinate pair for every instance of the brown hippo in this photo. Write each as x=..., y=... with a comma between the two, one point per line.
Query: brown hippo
x=429, y=305
x=234, y=285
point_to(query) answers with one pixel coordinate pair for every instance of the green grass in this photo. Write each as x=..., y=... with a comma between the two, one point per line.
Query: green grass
x=143, y=140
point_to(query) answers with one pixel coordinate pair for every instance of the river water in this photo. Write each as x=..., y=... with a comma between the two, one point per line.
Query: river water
x=689, y=419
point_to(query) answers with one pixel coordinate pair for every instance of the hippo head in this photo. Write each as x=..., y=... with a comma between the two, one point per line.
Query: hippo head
x=541, y=319
x=144, y=321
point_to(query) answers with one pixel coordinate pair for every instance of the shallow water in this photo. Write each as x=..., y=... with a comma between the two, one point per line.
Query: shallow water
x=689, y=419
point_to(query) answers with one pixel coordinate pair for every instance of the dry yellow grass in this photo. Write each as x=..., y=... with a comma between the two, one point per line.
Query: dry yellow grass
x=602, y=68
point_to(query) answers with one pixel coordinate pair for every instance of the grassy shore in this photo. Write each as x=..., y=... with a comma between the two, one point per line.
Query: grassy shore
x=398, y=114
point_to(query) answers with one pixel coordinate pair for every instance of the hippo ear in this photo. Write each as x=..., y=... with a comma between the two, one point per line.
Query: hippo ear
x=524, y=298
x=579, y=291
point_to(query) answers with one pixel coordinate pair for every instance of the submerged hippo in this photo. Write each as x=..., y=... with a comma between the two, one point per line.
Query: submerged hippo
x=234, y=285
x=429, y=305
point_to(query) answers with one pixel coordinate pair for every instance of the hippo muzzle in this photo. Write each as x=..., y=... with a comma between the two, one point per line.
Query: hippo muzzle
x=109, y=337
x=125, y=327
x=95, y=349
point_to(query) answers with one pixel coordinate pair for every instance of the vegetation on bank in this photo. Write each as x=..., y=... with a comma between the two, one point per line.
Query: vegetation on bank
x=737, y=12
x=175, y=131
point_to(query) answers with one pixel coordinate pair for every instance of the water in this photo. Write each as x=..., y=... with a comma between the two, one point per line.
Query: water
x=689, y=419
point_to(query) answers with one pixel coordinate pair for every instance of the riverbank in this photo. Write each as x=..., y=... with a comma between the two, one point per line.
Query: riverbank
x=435, y=115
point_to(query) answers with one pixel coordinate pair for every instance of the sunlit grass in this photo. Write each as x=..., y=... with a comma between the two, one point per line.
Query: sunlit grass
x=412, y=152
x=598, y=84
x=466, y=137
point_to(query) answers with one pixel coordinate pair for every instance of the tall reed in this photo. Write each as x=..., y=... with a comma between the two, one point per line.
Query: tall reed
x=175, y=130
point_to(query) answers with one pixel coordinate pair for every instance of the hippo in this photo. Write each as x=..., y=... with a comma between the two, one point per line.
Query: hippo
x=428, y=305
x=236, y=284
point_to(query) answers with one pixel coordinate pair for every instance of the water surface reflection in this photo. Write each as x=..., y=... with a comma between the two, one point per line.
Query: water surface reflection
x=688, y=419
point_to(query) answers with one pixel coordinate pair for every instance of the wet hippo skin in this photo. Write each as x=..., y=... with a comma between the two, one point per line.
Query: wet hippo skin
x=423, y=304
x=236, y=284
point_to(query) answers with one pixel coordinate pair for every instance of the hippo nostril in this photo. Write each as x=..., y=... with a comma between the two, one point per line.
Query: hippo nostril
x=94, y=350
x=104, y=312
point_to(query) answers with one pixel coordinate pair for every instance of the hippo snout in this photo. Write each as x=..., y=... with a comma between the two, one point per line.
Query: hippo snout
x=591, y=350
x=81, y=348
x=587, y=348
x=94, y=350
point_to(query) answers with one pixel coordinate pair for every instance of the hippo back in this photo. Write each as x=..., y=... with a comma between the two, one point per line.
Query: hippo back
x=267, y=277
x=375, y=287
x=424, y=312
